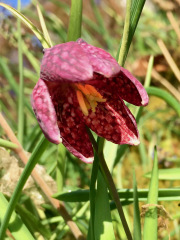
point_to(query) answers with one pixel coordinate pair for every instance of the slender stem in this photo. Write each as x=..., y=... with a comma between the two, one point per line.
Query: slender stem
x=122, y=55
x=60, y=169
x=7, y=144
x=21, y=81
x=108, y=178
x=114, y=195
x=136, y=11
x=74, y=29
x=123, y=48
x=43, y=26
x=92, y=195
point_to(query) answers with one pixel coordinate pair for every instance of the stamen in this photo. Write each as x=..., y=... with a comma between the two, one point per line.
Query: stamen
x=93, y=91
x=88, y=97
x=93, y=105
x=82, y=88
x=82, y=103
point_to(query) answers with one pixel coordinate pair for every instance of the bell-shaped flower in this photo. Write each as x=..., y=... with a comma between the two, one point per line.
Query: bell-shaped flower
x=81, y=85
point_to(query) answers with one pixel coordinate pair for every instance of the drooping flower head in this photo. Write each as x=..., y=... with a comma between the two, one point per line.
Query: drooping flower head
x=81, y=85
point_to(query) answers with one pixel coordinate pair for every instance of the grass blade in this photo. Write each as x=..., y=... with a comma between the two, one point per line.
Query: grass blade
x=92, y=197
x=122, y=55
x=60, y=169
x=29, y=24
x=7, y=144
x=136, y=10
x=167, y=97
x=167, y=174
x=43, y=25
x=151, y=217
x=21, y=82
x=74, y=29
x=80, y=195
x=12, y=82
x=137, y=220
x=15, y=222
x=103, y=228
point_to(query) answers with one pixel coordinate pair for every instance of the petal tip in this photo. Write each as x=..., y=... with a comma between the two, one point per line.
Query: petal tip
x=88, y=160
x=134, y=142
x=145, y=101
x=57, y=141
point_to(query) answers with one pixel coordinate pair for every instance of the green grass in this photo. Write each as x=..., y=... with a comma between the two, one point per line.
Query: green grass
x=83, y=187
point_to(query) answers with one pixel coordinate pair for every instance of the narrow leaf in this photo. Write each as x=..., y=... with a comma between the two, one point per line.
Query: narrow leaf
x=150, y=210
x=167, y=97
x=43, y=25
x=137, y=220
x=15, y=222
x=80, y=195
x=92, y=197
x=7, y=144
x=167, y=174
x=29, y=24
x=74, y=29
x=103, y=228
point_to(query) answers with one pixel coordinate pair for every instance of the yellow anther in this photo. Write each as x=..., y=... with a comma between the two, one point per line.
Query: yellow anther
x=88, y=97
x=97, y=99
x=82, y=103
x=82, y=88
x=93, y=91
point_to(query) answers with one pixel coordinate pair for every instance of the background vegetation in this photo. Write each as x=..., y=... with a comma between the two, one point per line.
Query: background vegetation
x=156, y=42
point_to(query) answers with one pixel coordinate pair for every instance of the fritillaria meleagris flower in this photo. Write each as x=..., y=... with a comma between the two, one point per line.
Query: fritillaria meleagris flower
x=81, y=85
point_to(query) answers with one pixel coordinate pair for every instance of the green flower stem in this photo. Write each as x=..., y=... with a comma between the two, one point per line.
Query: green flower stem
x=38, y=151
x=7, y=144
x=74, y=30
x=21, y=82
x=123, y=48
x=92, y=196
x=109, y=181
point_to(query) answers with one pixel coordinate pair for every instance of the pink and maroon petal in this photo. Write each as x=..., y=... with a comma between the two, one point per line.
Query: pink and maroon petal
x=101, y=61
x=124, y=84
x=73, y=130
x=113, y=121
x=45, y=112
x=130, y=89
x=66, y=62
x=78, y=154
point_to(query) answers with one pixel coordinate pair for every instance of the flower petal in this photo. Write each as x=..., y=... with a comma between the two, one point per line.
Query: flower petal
x=78, y=154
x=113, y=121
x=73, y=130
x=130, y=89
x=45, y=112
x=101, y=61
x=66, y=62
x=123, y=84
